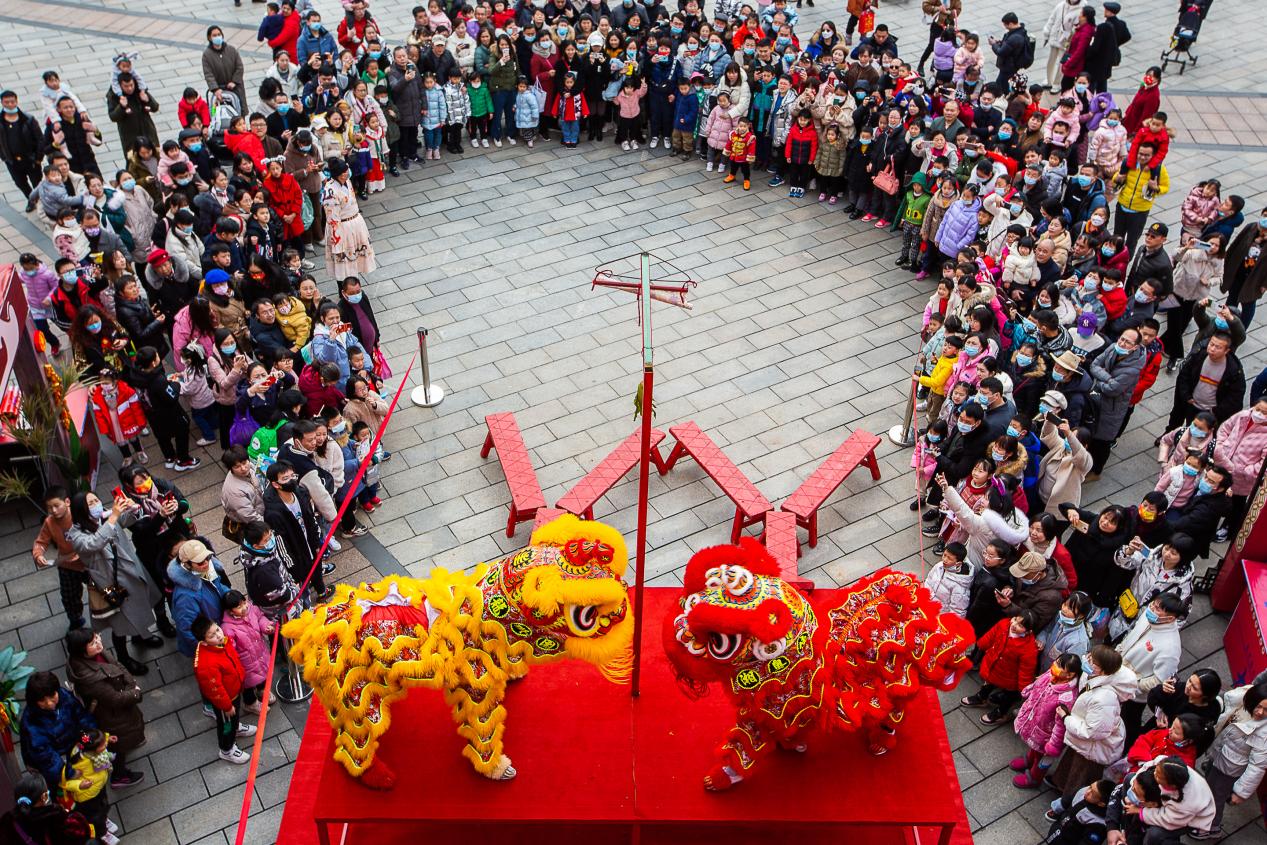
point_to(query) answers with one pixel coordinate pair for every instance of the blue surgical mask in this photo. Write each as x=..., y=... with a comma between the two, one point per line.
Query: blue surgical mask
x=1064, y=444
x=270, y=545
x=282, y=108
x=1030, y=179
x=530, y=38
x=195, y=147
x=972, y=351
x=1080, y=87
x=1151, y=616
x=1029, y=326
x=1108, y=251
x=1190, y=471
x=1197, y=434
x=981, y=399
x=93, y=327
x=1262, y=222
x=1090, y=285
x=339, y=429
x=1004, y=135
x=96, y=511
x=1120, y=349
x=354, y=297
x=1044, y=408
x=1141, y=296
x=1204, y=486
x=964, y=427
x=676, y=30
x=1083, y=180
x=1015, y=209
x=1057, y=376
x=8, y=110
x=217, y=41
x=314, y=27
x=1013, y=431
x=185, y=181
x=971, y=153
x=228, y=351
x=1024, y=361
x=128, y=184
x=70, y=276
x=1220, y=324
x=1067, y=621
x=563, y=31
x=934, y=438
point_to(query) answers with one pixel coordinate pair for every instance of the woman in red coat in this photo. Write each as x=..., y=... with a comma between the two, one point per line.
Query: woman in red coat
x=288, y=38
x=1144, y=104
x=1076, y=57
x=1009, y=660
x=286, y=199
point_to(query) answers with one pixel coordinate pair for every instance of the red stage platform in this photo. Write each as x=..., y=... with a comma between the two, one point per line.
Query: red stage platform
x=594, y=762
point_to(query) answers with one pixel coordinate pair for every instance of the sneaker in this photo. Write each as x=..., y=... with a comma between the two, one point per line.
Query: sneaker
x=377, y=502
x=1051, y=815
x=235, y=755
x=327, y=568
x=974, y=700
x=776, y=181
x=109, y=839
x=512, y=141
x=730, y=177
x=485, y=142
x=822, y=197
x=709, y=168
x=1221, y=535
x=624, y=145
x=325, y=595
x=247, y=730
x=1204, y=835
x=791, y=192
x=497, y=143
x=921, y=405
x=122, y=780
x=185, y=466
x=207, y=712
x=475, y=144
x=368, y=507
x=395, y=171
x=169, y=464
x=931, y=529
x=356, y=530
x=831, y=200
x=111, y=827
x=655, y=142
x=335, y=545
x=901, y=261
x=921, y=275
x=204, y=441
x=747, y=185
x=938, y=547
x=405, y=161
x=307, y=265
x=1023, y=781
x=142, y=458
x=633, y=145
x=253, y=707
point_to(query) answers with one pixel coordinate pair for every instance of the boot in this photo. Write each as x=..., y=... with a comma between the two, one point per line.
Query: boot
x=136, y=667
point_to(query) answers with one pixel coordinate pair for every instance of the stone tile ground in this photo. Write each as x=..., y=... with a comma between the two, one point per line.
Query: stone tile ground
x=802, y=331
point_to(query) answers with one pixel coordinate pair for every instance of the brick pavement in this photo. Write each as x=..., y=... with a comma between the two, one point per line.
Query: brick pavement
x=802, y=330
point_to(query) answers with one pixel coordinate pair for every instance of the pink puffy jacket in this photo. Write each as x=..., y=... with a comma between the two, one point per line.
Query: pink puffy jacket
x=248, y=637
x=1036, y=722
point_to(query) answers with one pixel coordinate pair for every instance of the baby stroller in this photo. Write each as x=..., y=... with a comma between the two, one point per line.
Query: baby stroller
x=222, y=115
x=1191, y=14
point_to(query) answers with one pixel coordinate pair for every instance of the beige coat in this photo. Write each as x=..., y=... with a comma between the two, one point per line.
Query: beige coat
x=241, y=499
x=1061, y=473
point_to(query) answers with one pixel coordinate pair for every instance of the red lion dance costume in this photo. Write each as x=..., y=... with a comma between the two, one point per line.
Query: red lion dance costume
x=791, y=668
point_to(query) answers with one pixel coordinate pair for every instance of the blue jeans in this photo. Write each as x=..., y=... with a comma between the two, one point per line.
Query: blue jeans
x=431, y=138
x=208, y=421
x=571, y=131
x=503, y=114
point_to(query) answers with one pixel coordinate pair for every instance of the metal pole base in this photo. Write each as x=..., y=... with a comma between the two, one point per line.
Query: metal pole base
x=902, y=436
x=427, y=398
x=291, y=688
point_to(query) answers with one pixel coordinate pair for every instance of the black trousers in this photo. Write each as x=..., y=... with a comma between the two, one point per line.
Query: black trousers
x=227, y=726
x=26, y=175
x=172, y=433
x=409, y=141
x=1177, y=320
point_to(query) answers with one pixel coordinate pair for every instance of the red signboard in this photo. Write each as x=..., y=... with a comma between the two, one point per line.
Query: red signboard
x=1246, y=633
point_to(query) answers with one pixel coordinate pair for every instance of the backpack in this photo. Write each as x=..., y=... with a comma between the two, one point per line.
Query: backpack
x=1026, y=57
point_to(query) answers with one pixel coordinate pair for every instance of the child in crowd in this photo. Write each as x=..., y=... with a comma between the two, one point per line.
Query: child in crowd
x=1037, y=724
x=195, y=387
x=950, y=579
x=481, y=101
x=800, y=150
x=391, y=126
x=250, y=631
x=1079, y=818
x=85, y=778
x=570, y=109
x=457, y=111
x=936, y=380
x=685, y=119
x=717, y=129
x=1107, y=147
x=927, y=449
x=1068, y=633
x=363, y=435
x=191, y=106
x=1179, y=482
x=435, y=113
x=221, y=678
x=119, y=415
x=527, y=113
x=829, y=164
x=126, y=63
x=911, y=215
x=1009, y=659
x=741, y=149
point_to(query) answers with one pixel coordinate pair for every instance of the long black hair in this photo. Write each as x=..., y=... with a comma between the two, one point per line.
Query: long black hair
x=79, y=514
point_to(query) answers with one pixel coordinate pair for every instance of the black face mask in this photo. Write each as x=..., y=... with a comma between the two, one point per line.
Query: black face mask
x=290, y=485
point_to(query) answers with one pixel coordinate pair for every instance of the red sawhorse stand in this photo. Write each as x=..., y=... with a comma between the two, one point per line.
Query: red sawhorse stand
x=596, y=765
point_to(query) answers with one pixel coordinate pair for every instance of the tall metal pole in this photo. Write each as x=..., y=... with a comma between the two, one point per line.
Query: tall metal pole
x=644, y=461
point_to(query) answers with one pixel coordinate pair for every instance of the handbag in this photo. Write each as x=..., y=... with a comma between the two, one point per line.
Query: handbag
x=381, y=369
x=244, y=426
x=104, y=602
x=866, y=22
x=231, y=529
x=540, y=94
x=307, y=214
x=886, y=180
x=1128, y=603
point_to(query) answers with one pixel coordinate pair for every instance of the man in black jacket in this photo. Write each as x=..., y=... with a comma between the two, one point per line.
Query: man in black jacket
x=1210, y=502
x=21, y=144
x=144, y=323
x=438, y=60
x=288, y=511
x=1009, y=50
x=1152, y=262
x=1068, y=379
x=1212, y=380
x=355, y=310
x=1102, y=55
x=161, y=398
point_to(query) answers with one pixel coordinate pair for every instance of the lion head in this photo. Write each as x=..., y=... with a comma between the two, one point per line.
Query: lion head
x=739, y=622
x=563, y=596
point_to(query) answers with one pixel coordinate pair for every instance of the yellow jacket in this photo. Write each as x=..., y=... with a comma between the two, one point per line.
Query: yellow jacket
x=936, y=381
x=1131, y=195
x=297, y=325
x=83, y=769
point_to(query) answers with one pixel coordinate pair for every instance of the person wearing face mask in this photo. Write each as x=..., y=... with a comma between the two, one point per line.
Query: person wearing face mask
x=1094, y=735
x=1114, y=373
x=1067, y=633
x=1241, y=446
x=1211, y=502
x=97, y=535
x=1236, y=761
x=1151, y=649
x=1009, y=659
x=222, y=68
x=21, y=143
x=1245, y=270
x=266, y=568
x=290, y=515
x=1036, y=723
x=199, y=583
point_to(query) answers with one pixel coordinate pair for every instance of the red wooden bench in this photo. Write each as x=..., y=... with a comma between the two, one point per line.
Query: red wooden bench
x=581, y=498
x=750, y=505
x=525, y=491
x=781, y=542
x=805, y=501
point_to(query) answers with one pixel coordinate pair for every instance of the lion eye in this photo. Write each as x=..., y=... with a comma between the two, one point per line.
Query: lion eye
x=724, y=646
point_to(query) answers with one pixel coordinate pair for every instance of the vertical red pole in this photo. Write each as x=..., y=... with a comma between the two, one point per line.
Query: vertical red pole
x=640, y=566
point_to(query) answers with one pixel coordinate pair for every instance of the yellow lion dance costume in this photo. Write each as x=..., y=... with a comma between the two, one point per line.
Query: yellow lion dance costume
x=467, y=635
